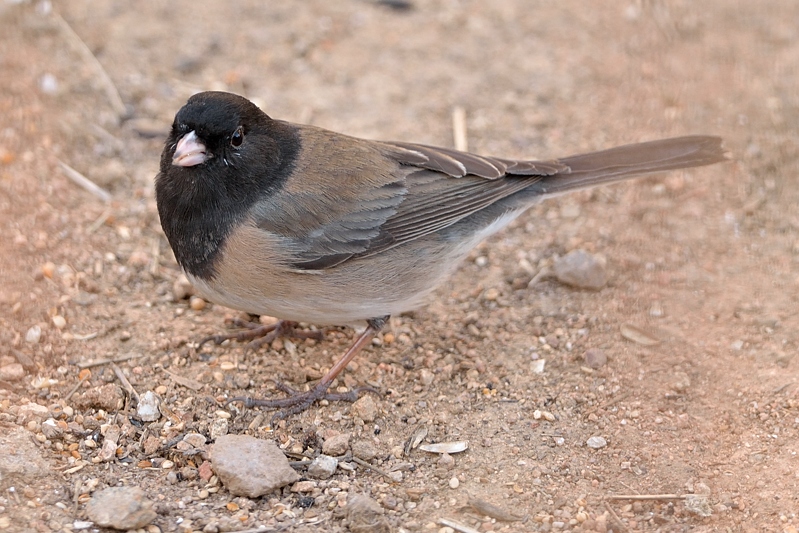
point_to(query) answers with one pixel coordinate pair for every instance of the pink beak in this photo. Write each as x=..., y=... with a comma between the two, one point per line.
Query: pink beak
x=189, y=151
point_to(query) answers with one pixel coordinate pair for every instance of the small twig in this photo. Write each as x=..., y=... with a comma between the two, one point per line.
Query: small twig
x=86, y=183
x=125, y=383
x=615, y=517
x=77, y=386
x=545, y=272
x=100, y=220
x=645, y=497
x=111, y=91
x=370, y=467
x=457, y=526
x=100, y=362
x=616, y=400
x=459, y=128
x=76, y=495
x=156, y=251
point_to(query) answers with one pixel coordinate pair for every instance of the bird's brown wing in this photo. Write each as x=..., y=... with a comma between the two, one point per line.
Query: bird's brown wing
x=358, y=198
x=355, y=198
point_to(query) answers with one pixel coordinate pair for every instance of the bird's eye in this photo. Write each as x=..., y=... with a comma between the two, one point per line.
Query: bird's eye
x=237, y=138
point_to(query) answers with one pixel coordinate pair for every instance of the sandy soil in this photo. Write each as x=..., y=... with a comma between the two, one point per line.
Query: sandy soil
x=705, y=261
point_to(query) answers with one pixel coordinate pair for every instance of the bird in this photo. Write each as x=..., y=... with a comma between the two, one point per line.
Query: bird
x=309, y=225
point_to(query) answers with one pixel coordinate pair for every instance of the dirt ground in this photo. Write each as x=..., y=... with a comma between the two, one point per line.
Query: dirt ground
x=706, y=262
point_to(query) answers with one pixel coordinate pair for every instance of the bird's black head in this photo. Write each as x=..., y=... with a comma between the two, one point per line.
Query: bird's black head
x=222, y=155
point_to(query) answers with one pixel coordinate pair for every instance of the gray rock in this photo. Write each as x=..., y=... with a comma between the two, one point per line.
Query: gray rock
x=364, y=450
x=365, y=409
x=322, y=467
x=120, y=508
x=219, y=428
x=196, y=440
x=12, y=372
x=698, y=504
x=582, y=270
x=250, y=467
x=337, y=445
x=365, y=515
x=595, y=358
x=20, y=460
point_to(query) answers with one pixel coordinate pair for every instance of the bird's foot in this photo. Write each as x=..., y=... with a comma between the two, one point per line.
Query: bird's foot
x=259, y=334
x=297, y=401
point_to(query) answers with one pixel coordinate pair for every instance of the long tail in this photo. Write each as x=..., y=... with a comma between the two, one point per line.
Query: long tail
x=617, y=164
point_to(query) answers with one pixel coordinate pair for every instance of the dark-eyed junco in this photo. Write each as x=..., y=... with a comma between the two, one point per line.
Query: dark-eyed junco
x=305, y=224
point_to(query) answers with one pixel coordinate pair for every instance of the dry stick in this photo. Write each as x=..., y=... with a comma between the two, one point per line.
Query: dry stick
x=156, y=252
x=100, y=220
x=643, y=497
x=459, y=128
x=370, y=467
x=85, y=182
x=111, y=91
x=99, y=362
x=615, y=517
x=76, y=387
x=76, y=497
x=125, y=383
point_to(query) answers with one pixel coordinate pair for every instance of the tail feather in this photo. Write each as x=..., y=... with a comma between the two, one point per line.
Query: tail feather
x=623, y=162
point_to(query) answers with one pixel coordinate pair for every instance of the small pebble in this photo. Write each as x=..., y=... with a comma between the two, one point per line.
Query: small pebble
x=148, y=408
x=681, y=381
x=59, y=321
x=365, y=409
x=121, y=508
x=446, y=461
x=491, y=294
x=337, y=445
x=219, y=428
x=48, y=269
x=454, y=483
x=582, y=270
x=365, y=515
x=267, y=320
x=12, y=372
x=364, y=450
x=322, y=467
x=250, y=467
x=33, y=335
x=596, y=442
x=196, y=440
x=595, y=358
x=304, y=486
x=182, y=289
